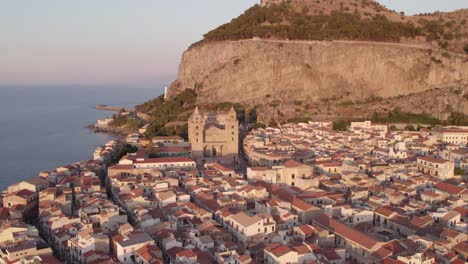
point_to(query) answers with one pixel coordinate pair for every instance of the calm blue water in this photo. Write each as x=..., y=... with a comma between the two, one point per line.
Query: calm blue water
x=42, y=128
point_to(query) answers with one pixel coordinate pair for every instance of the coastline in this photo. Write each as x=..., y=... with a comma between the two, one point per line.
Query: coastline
x=52, y=130
x=119, y=133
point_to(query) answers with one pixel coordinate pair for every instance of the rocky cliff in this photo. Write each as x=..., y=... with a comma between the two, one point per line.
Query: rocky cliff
x=293, y=73
x=331, y=60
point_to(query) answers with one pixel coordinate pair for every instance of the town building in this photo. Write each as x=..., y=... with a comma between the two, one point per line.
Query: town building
x=439, y=168
x=214, y=134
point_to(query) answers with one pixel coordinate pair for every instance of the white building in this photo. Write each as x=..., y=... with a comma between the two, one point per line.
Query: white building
x=292, y=173
x=127, y=246
x=160, y=163
x=244, y=226
x=453, y=135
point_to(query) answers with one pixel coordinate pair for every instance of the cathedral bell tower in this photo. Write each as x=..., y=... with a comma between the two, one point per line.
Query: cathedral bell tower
x=232, y=129
x=196, y=129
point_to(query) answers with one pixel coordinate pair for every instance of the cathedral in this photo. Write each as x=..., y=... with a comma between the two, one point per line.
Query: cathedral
x=214, y=134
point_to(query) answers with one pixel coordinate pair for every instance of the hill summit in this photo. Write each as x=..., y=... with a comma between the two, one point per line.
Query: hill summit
x=325, y=60
x=344, y=20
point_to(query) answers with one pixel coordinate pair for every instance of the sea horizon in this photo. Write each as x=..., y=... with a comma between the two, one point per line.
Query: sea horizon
x=46, y=126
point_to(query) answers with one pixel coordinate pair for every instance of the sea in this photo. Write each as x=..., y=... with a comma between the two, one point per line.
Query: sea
x=44, y=127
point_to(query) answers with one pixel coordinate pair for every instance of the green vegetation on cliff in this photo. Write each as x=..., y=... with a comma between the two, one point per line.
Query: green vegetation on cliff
x=126, y=122
x=341, y=125
x=127, y=148
x=225, y=106
x=176, y=109
x=284, y=22
x=397, y=116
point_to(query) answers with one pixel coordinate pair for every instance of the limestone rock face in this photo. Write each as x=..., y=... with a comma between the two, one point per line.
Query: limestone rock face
x=249, y=71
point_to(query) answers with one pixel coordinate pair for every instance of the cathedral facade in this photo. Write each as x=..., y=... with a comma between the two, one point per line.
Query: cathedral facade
x=214, y=134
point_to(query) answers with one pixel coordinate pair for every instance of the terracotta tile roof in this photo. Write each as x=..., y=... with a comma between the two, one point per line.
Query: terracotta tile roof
x=450, y=233
x=301, y=204
x=461, y=247
x=24, y=193
x=392, y=261
x=278, y=250
x=433, y=160
x=432, y=194
x=386, y=211
x=292, y=164
x=346, y=232
x=330, y=254
x=463, y=211
x=307, y=229
x=122, y=167
x=165, y=160
x=450, y=188
x=301, y=249
x=331, y=164
x=422, y=221
x=453, y=130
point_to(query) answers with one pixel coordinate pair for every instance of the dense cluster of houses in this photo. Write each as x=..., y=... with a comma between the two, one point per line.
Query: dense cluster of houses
x=310, y=195
x=43, y=218
x=382, y=196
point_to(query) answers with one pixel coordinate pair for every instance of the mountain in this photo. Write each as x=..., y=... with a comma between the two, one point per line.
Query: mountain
x=330, y=59
x=345, y=20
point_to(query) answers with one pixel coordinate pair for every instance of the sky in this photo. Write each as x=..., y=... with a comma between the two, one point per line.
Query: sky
x=119, y=42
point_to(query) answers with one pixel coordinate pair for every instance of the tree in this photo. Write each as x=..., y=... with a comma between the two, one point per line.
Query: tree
x=341, y=125
x=459, y=171
x=127, y=148
x=457, y=119
x=273, y=123
x=259, y=125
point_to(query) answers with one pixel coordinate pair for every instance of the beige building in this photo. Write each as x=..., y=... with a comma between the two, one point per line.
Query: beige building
x=440, y=168
x=245, y=227
x=214, y=134
x=453, y=135
x=292, y=173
